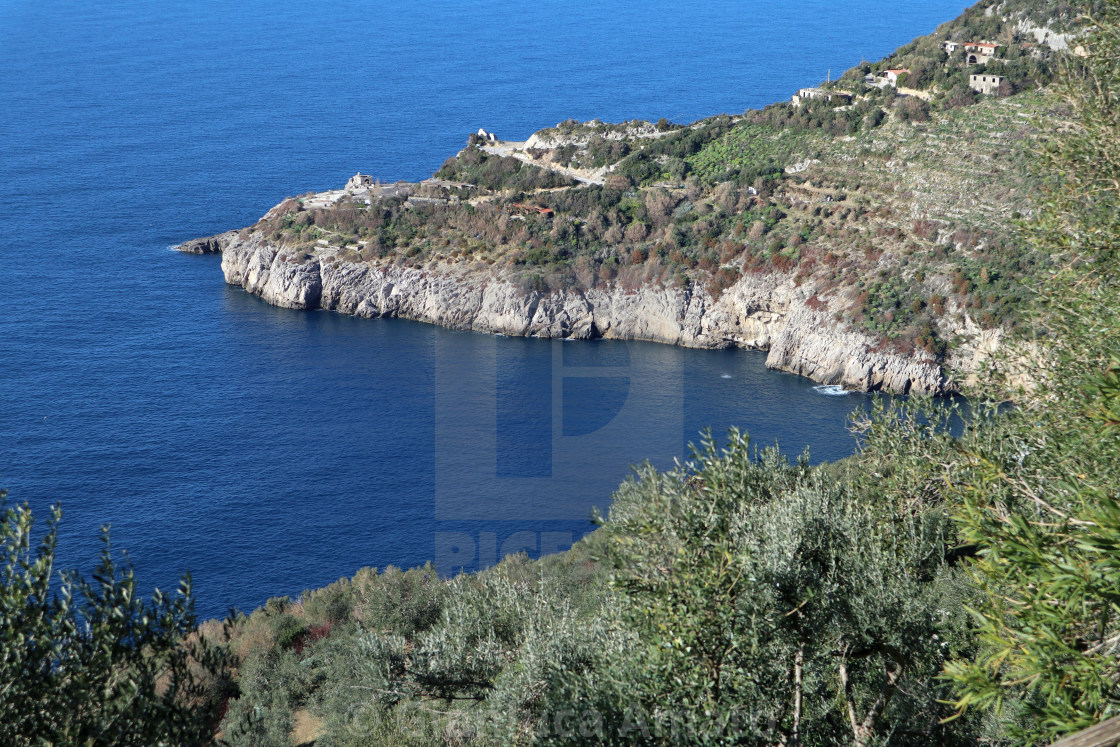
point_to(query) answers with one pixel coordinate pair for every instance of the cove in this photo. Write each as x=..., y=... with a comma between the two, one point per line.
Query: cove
x=269, y=451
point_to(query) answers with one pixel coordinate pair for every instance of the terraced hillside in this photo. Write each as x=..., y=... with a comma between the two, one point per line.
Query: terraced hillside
x=888, y=215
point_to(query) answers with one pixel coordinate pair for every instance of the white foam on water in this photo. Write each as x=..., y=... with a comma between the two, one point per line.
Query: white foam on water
x=831, y=390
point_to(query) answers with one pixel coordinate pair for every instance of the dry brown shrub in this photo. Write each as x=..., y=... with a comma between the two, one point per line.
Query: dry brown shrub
x=636, y=231
x=659, y=204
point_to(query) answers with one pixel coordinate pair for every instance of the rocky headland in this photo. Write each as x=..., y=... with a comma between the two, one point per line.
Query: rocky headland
x=761, y=312
x=862, y=234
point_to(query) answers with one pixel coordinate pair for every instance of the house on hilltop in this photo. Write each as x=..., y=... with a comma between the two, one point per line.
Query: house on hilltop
x=893, y=75
x=979, y=53
x=359, y=181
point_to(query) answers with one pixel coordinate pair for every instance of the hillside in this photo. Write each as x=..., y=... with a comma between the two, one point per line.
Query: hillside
x=934, y=589
x=867, y=228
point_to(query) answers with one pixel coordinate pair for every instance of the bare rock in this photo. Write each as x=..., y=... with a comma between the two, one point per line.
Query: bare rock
x=764, y=312
x=207, y=245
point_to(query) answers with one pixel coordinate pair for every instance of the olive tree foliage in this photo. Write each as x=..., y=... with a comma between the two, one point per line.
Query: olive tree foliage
x=773, y=604
x=1040, y=489
x=89, y=662
x=420, y=660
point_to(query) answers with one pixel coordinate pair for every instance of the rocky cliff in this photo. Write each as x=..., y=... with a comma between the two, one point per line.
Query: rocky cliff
x=861, y=237
x=760, y=311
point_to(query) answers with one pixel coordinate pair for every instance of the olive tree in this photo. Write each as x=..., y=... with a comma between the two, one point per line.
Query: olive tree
x=88, y=662
x=771, y=603
x=1040, y=490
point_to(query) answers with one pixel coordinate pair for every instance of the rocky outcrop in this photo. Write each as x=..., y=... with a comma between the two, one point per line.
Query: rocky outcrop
x=1045, y=35
x=764, y=312
x=208, y=245
x=824, y=353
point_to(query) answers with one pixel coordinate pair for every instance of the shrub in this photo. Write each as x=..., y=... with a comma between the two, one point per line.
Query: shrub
x=401, y=602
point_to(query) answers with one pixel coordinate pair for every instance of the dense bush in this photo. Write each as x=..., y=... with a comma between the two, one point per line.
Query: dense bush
x=773, y=604
x=476, y=166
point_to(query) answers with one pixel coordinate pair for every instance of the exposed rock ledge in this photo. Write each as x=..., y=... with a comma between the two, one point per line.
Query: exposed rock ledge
x=764, y=312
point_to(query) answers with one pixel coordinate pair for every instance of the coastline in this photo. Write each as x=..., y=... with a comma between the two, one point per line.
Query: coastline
x=768, y=312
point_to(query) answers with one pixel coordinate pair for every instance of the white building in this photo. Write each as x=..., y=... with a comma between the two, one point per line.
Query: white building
x=893, y=75
x=807, y=94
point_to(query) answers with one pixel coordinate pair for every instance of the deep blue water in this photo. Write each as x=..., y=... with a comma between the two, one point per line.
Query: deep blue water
x=268, y=450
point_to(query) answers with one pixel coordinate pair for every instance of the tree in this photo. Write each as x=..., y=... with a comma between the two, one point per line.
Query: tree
x=1040, y=489
x=772, y=603
x=87, y=662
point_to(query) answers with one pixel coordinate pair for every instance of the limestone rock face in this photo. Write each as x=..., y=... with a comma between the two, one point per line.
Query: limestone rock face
x=808, y=345
x=293, y=283
x=764, y=312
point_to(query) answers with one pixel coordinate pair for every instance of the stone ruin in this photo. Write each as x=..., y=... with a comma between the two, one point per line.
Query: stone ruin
x=358, y=182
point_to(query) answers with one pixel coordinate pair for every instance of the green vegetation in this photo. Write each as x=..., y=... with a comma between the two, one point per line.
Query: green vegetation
x=88, y=662
x=779, y=595
x=385, y=658
x=931, y=590
x=747, y=152
x=475, y=166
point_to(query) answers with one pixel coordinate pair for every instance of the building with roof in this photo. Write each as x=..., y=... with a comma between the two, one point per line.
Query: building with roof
x=531, y=209
x=893, y=74
x=808, y=94
x=978, y=53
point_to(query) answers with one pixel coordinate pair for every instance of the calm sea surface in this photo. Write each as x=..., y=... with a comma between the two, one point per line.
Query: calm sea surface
x=270, y=451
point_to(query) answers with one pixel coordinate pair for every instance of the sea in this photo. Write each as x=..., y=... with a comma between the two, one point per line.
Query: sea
x=268, y=451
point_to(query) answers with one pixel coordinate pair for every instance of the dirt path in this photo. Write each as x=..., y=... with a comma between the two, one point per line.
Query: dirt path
x=516, y=150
